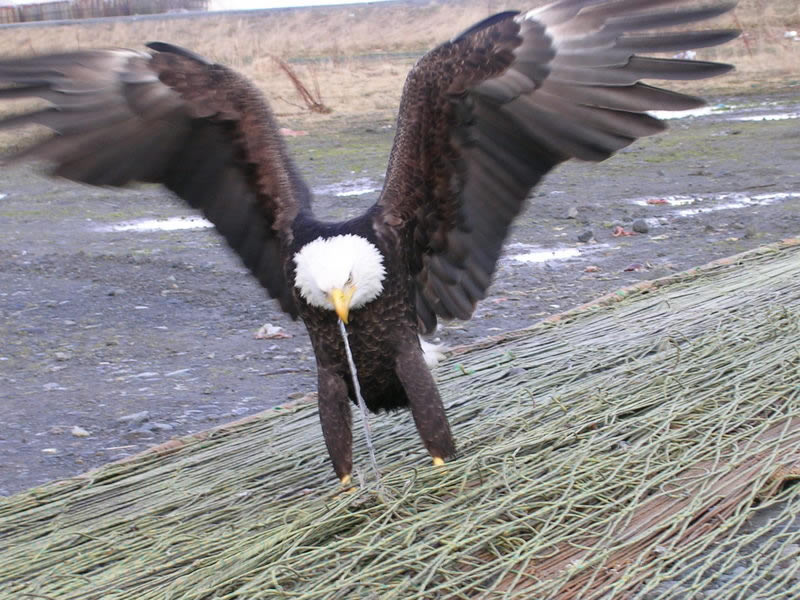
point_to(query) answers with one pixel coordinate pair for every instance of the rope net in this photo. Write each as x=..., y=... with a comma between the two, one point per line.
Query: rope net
x=645, y=446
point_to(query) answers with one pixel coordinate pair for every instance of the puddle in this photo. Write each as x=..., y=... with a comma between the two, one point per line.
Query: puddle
x=715, y=202
x=171, y=224
x=353, y=187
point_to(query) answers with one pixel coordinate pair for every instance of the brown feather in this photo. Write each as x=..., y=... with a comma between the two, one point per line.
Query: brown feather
x=507, y=101
x=173, y=118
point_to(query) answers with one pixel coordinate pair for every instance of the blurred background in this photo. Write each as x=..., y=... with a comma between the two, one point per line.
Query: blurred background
x=353, y=58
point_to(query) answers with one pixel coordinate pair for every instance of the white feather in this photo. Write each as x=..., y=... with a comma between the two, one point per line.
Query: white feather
x=334, y=263
x=433, y=353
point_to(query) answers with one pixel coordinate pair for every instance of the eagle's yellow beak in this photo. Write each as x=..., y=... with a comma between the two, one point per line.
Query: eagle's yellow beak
x=341, y=301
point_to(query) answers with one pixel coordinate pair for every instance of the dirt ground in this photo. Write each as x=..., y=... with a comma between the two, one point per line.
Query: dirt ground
x=113, y=339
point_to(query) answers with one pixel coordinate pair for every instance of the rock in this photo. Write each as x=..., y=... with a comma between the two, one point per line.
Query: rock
x=78, y=431
x=620, y=231
x=119, y=456
x=789, y=556
x=270, y=331
x=640, y=226
x=49, y=450
x=160, y=427
x=178, y=372
x=138, y=434
x=145, y=375
x=63, y=356
x=135, y=418
x=739, y=571
x=284, y=370
x=635, y=267
x=586, y=236
x=572, y=213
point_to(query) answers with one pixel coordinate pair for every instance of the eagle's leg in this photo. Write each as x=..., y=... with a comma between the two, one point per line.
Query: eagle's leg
x=425, y=403
x=336, y=420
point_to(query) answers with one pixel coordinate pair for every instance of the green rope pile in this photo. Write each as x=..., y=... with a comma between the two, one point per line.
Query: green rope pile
x=644, y=447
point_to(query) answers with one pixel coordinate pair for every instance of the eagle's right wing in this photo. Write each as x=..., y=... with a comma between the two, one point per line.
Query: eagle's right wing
x=168, y=117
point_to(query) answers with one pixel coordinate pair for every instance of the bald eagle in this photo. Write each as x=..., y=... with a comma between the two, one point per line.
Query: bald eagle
x=482, y=118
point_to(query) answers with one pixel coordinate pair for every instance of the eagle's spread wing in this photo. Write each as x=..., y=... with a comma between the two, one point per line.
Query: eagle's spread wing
x=168, y=117
x=486, y=115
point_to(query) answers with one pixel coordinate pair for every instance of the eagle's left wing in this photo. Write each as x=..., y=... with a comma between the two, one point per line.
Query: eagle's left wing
x=486, y=115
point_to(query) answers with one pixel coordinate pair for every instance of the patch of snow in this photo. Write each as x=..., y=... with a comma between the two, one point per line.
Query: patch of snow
x=728, y=201
x=170, y=224
x=665, y=200
x=732, y=112
x=683, y=114
x=776, y=196
x=543, y=255
x=686, y=55
x=352, y=187
x=734, y=201
x=531, y=253
x=768, y=117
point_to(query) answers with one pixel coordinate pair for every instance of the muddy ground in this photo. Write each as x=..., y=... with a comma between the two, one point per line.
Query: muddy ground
x=116, y=338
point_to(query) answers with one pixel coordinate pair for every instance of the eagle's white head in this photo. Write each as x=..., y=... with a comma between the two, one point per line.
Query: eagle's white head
x=339, y=273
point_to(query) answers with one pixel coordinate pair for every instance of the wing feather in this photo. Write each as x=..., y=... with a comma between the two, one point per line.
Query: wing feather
x=485, y=116
x=168, y=117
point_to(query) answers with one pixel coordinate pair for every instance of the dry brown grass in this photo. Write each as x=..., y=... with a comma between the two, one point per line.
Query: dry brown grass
x=360, y=54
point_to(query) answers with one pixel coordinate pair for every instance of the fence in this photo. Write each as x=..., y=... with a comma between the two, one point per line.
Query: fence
x=86, y=9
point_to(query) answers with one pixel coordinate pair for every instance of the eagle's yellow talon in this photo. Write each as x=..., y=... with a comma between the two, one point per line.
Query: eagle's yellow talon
x=437, y=461
x=345, y=489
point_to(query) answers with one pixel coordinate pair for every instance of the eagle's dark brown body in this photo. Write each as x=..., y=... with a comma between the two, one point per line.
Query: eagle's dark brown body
x=390, y=317
x=482, y=119
x=384, y=341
